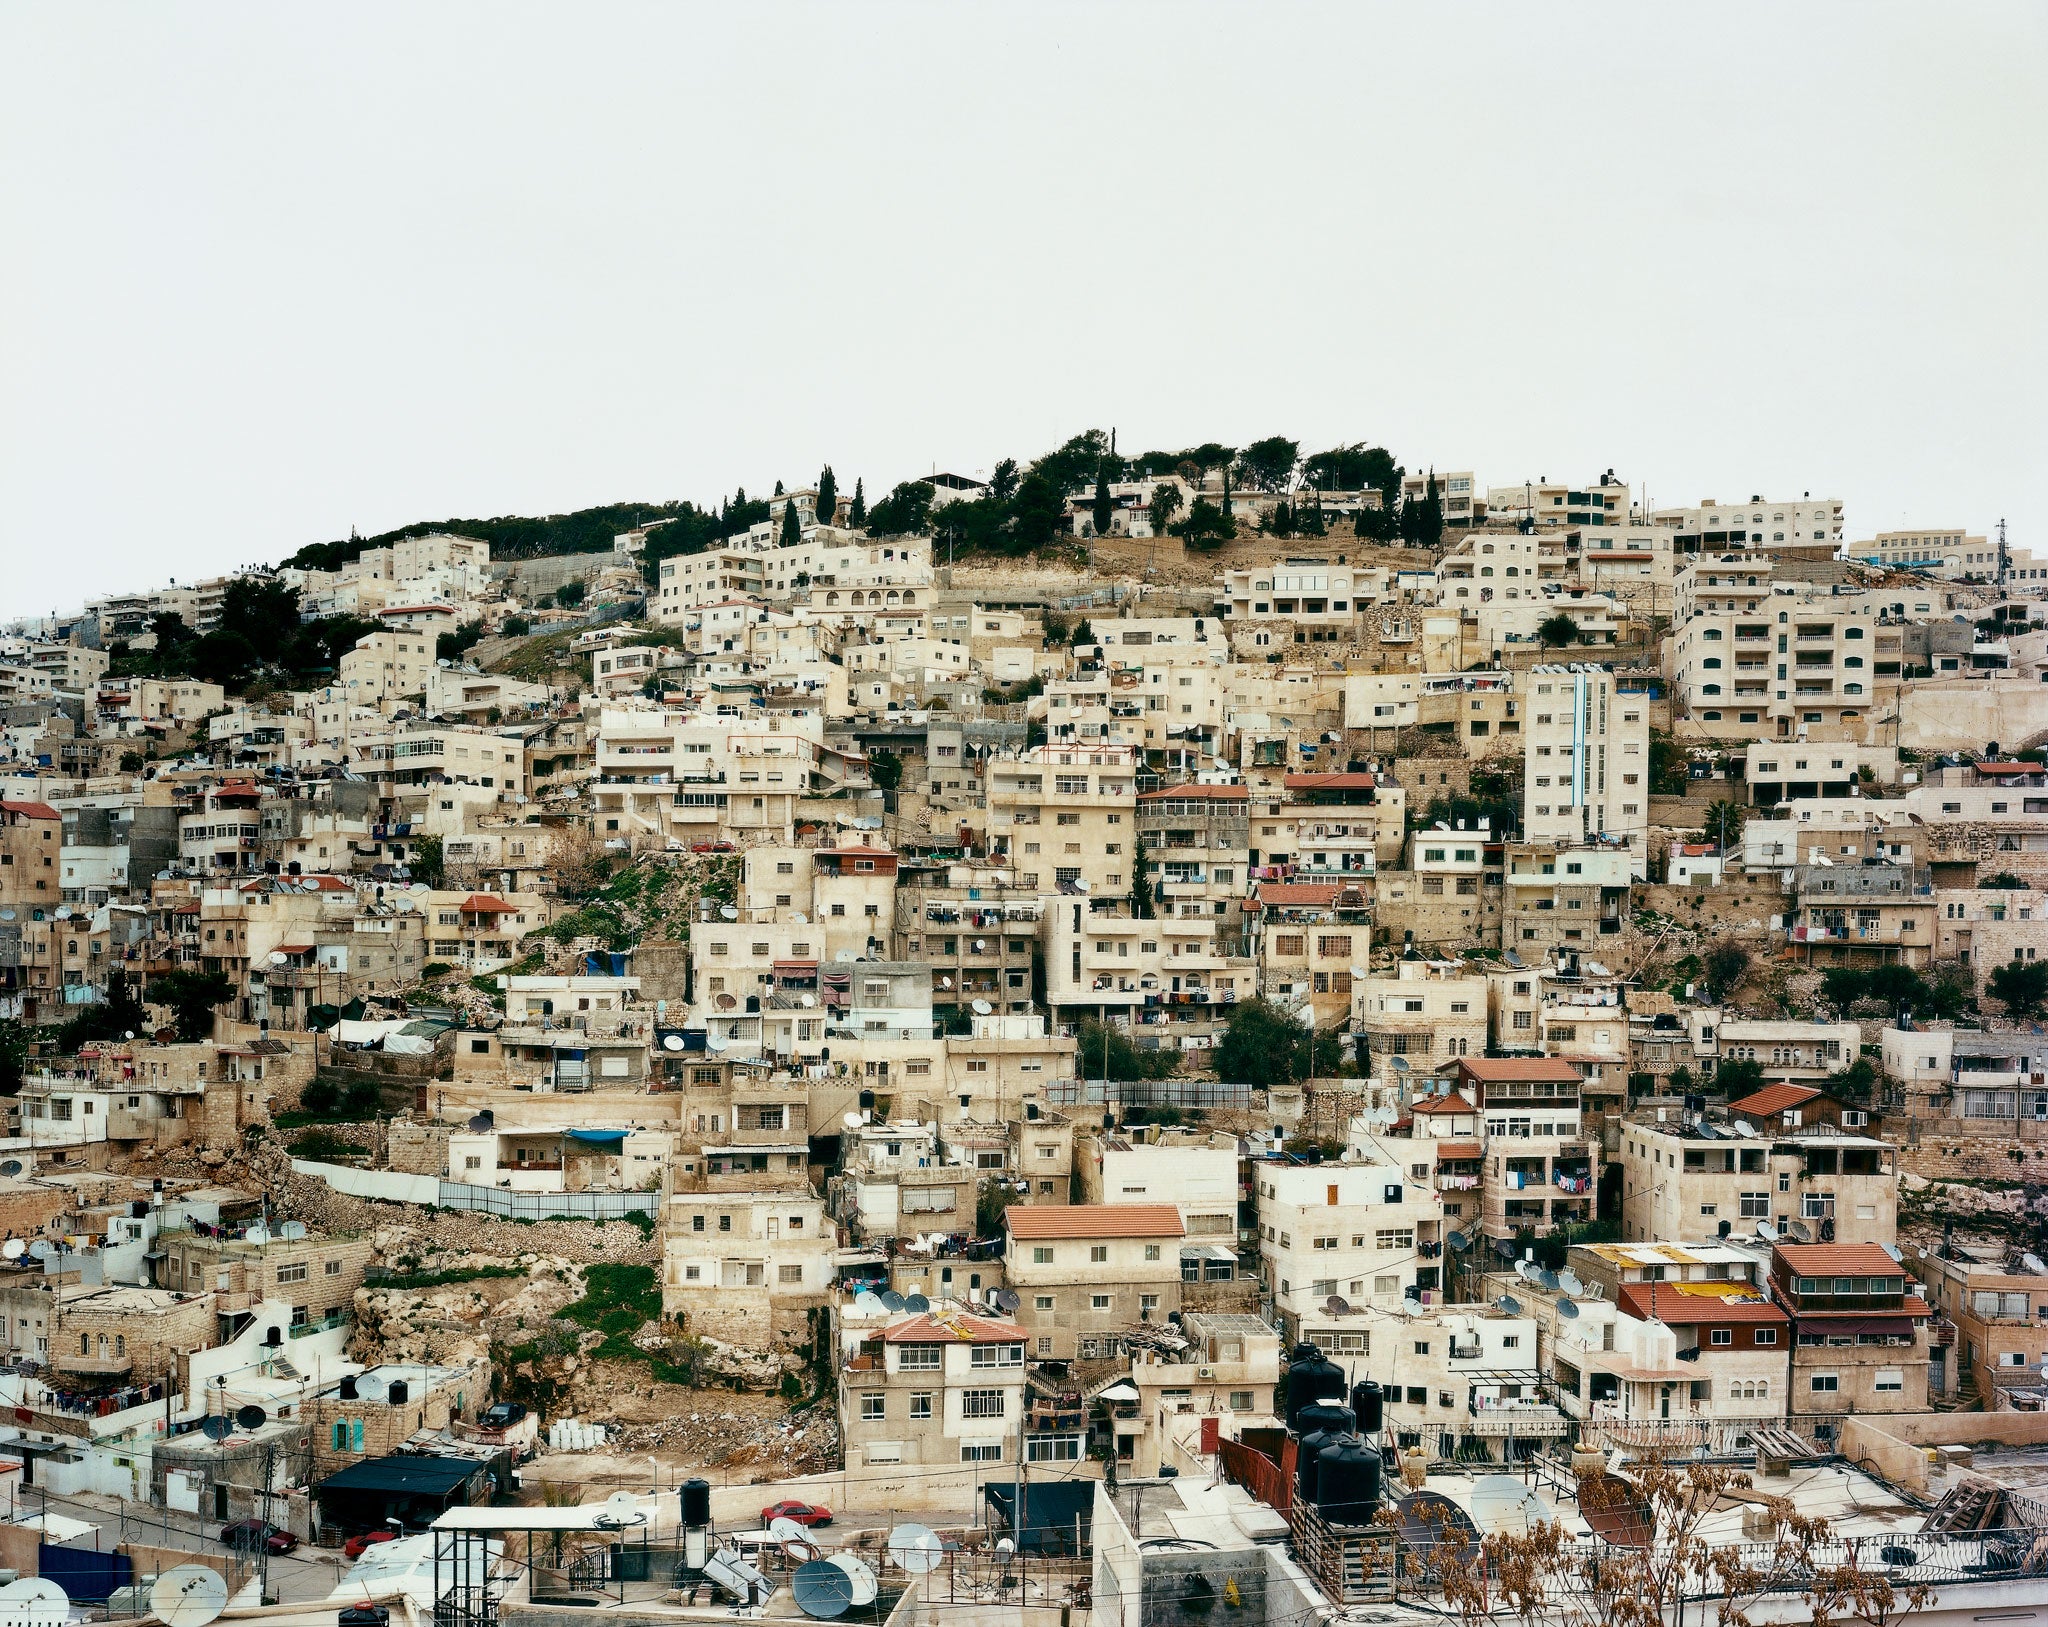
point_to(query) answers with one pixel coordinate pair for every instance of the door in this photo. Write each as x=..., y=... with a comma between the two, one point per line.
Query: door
x=220, y=1502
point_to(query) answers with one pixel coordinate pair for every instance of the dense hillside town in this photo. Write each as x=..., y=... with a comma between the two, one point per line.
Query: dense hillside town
x=1221, y=1029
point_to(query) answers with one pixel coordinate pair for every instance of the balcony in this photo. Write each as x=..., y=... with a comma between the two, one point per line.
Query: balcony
x=98, y=1365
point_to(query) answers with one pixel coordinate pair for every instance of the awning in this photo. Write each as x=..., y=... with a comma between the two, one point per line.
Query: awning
x=1454, y=1151
x=1207, y=1251
x=1118, y=1392
x=599, y=1138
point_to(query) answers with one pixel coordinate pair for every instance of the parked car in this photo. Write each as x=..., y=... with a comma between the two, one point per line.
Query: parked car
x=802, y=1513
x=246, y=1536
x=502, y=1415
x=712, y=847
x=356, y=1545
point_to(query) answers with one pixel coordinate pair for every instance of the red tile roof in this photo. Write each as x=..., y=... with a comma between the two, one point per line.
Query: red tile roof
x=30, y=810
x=1049, y=1220
x=1850, y=1259
x=1774, y=1099
x=1536, y=1069
x=1682, y=1310
x=487, y=904
x=1299, y=892
x=959, y=1326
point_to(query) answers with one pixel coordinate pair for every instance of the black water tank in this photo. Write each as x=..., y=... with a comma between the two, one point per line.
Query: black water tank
x=1368, y=1403
x=348, y=1387
x=696, y=1502
x=1312, y=1378
x=1348, y=1483
x=1308, y=1460
x=1327, y=1416
x=398, y=1392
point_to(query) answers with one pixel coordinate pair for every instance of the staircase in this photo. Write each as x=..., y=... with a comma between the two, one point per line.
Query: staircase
x=1963, y=1396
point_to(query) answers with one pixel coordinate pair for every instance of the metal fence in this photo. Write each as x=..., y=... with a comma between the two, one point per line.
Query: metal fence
x=492, y=1200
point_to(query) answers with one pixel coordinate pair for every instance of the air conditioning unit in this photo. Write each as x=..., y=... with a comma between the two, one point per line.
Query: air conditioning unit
x=1205, y=1372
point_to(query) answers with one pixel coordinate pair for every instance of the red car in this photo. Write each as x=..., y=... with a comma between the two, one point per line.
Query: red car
x=802, y=1513
x=712, y=847
x=246, y=1536
x=362, y=1540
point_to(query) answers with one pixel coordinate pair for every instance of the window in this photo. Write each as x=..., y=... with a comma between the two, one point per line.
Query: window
x=1826, y=1383
x=1053, y=1448
x=1041, y=1256
x=1720, y=1336
x=1098, y=1253
x=920, y=1358
x=1010, y=1355
x=1151, y=1249
x=981, y=1403
x=1765, y=1336
x=873, y=1407
x=292, y=1273
x=1098, y=1302
x=921, y=1404
x=790, y=1275
x=981, y=1452
x=1889, y=1380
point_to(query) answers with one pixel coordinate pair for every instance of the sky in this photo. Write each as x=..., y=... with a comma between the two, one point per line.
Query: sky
x=272, y=272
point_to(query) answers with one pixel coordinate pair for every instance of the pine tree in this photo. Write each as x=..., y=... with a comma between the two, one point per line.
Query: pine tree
x=778, y=488
x=857, y=510
x=828, y=497
x=792, y=528
x=1431, y=526
x=1102, y=504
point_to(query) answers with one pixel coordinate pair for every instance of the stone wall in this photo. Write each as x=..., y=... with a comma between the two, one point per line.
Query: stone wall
x=417, y=1149
x=1976, y=1149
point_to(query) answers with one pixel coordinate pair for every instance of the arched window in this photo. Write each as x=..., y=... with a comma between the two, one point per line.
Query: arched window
x=1852, y=632
x=1711, y=633
x=1710, y=689
x=1513, y=572
x=1711, y=661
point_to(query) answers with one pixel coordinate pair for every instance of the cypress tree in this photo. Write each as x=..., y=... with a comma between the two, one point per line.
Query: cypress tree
x=857, y=510
x=792, y=528
x=1102, y=504
x=828, y=496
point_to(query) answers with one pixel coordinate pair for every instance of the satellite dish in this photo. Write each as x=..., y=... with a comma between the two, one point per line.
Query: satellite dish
x=1566, y=1309
x=799, y=918
x=725, y=1002
x=915, y=1548
x=892, y=1301
x=1800, y=1231
x=256, y=1234
x=982, y=1008
x=784, y=1529
x=1525, y=1270
x=1509, y=1304
x=13, y=1249
x=370, y=1389
x=292, y=1230
x=251, y=1418
x=671, y=1042
x=2030, y=1261
x=945, y=982
x=1767, y=1231
x=1008, y=1299
x=1501, y=1503
x=217, y=1428
x=279, y=958
x=1081, y=886
x=728, y=913
x=868, y=1301
x=807, y=1000
x=852, y=1120
x=1744, y=1128
x=1549, y=1280
x=1568, y=1280
x=861, y=1574
x=1337, y=1305
x=714, y=1043
x=1459, y=1242
x=917, y=1304
x=623, y=1508
x=34, y=1601
x=40, y=1250
x=480, y=1124
x=188, y=1596
x=822, y=1589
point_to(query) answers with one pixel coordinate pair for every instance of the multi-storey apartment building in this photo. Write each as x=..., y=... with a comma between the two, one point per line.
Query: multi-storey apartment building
x=1088, y=1273
x=940, y=1387
x=1586, y=761
x=1365, y=1231
x=1859, y=1332
x=1810, y=524
x=1691, y=1177
x=1065, y=818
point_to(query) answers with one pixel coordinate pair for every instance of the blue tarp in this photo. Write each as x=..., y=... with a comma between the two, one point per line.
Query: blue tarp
x=88, y=1578
x=599, y=1138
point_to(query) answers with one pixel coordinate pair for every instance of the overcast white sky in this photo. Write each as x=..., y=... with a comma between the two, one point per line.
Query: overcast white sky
x=273, y=271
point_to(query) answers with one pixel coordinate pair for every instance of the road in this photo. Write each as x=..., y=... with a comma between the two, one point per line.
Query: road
x=307, y=1575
